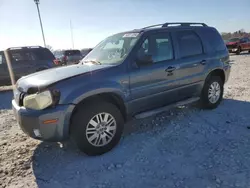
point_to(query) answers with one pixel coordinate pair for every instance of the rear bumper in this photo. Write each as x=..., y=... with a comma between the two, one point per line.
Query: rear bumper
x=32, y=122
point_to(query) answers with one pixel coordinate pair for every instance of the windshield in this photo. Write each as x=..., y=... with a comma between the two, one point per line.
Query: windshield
x=112, y=50
x=234, y=40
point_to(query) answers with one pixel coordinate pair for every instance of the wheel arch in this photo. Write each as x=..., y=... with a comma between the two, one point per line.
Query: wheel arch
x=111, y=97
x=217, y=72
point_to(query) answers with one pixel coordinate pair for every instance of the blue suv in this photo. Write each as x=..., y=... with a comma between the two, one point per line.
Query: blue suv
x=136, y=73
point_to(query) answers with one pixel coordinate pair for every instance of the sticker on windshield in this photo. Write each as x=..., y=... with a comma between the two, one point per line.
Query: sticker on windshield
x=130, y=35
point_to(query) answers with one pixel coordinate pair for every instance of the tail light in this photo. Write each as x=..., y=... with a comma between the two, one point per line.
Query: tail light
x=56, y=62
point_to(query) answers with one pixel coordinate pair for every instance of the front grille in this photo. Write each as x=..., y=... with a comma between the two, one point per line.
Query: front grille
x=22, y=95
x=231, y=46
x=19, y=96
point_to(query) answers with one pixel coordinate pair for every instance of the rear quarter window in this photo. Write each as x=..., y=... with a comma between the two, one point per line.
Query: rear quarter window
x=43, y=54
x=213, y=38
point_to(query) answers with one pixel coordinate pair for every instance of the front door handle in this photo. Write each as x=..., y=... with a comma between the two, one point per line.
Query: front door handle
x=170, y=69
x=203, y=62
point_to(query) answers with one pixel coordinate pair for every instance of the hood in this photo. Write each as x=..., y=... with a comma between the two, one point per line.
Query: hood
x=47, y=77
x=232, y=43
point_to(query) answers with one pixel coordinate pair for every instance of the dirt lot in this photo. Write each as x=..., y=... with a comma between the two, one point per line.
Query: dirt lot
x=186, y=147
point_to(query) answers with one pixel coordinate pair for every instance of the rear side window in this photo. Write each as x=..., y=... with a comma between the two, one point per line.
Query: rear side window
x=189, y=44
x=72, y=52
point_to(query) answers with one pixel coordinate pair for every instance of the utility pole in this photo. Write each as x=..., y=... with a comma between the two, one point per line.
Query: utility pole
x=71, y=31
x=37, y=5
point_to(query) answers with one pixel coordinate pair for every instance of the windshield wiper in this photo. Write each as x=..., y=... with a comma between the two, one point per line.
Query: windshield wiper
x=93, y=61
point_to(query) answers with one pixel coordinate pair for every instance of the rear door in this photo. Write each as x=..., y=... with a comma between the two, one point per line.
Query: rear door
x=192, y=60
x=154, y=85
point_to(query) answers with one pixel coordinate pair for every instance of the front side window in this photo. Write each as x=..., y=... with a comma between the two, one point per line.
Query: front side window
x=112, y=50
x=189, y=44
x=158, y=46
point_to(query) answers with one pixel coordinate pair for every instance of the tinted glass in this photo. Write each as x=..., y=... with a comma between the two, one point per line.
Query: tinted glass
x=31, y=55
x=214, y=39
x=72, y=52
x=43, y=54
x=21, y=55
x=189, y=44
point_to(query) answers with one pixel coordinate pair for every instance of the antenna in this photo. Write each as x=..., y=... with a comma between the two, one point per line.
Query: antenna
x=71, y=31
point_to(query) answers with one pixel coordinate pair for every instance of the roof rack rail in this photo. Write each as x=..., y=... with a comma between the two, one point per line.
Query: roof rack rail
x=183, y=24
x=23, y=47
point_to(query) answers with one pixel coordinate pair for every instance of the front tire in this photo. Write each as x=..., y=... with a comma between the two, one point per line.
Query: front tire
x=212, y=92
x=97, y=127
x=238, y=51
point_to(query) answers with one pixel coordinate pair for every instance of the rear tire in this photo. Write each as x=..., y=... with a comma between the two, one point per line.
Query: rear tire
x=212, y=92
x=90, y=126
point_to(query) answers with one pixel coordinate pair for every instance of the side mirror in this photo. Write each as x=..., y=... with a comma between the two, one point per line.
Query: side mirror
x=145, y=60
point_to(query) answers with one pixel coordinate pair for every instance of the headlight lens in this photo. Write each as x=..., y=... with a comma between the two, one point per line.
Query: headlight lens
x=38, y=101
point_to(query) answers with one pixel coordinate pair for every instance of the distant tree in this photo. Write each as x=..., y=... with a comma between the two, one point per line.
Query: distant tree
x=239, y=33
x=50, y=48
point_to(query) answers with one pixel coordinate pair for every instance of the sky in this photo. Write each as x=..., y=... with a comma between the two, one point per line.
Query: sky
x=94, y=20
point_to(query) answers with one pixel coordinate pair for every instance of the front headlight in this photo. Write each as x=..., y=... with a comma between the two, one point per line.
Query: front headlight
x=38, y=101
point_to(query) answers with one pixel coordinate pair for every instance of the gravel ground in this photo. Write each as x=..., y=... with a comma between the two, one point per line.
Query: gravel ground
x=186, y=147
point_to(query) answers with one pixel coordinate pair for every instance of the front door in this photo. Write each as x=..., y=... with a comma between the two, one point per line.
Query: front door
x=154, y=85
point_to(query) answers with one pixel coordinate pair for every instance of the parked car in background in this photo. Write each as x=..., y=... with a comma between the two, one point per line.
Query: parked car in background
x=69, y=57
x=136, y=73
x=26, y=60
x=238, y=45
x=85, y=52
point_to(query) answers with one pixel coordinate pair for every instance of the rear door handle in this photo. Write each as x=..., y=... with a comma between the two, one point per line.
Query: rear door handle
x=203, y=62
x=170, y=69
